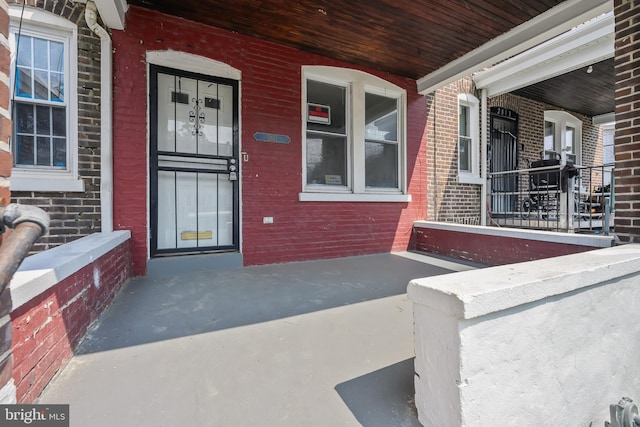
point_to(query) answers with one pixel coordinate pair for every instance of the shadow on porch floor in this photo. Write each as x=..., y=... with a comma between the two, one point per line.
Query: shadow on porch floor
x=312, y=343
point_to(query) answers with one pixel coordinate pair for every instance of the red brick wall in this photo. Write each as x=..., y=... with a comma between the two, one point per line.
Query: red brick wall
x=47, y=329
x=271, y=179
x=490, y=250
x=627, y=139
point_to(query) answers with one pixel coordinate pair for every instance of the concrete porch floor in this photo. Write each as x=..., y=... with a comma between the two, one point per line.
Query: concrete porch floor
x=318, y=343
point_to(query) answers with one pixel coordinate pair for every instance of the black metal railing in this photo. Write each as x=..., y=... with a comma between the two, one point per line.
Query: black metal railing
x=554, y=198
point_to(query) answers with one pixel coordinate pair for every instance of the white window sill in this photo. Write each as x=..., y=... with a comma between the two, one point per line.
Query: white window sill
x=350, y=197
x=469, y=179
x=46, y=184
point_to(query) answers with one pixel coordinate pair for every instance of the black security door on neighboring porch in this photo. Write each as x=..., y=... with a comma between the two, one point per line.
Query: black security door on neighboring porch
x=193, y=162
x=503, y=157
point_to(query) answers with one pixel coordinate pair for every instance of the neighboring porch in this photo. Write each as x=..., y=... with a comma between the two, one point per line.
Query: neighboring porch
x=311, y=343
x=565, y=198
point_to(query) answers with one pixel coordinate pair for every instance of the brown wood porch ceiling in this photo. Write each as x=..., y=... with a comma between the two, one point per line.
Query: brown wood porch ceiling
x=405, y=37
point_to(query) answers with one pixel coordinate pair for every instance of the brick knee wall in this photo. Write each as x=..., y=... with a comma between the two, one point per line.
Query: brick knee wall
x=490, y=250
x=47, y=330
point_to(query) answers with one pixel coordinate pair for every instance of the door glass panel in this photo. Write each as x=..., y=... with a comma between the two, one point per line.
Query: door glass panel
x=207, y=210
x=188, y=120
x=166, y=210
x=167, y=123
x=208, y=110
x=187, y=208
x=225, y=210
x=225, y=121
x=216, y=112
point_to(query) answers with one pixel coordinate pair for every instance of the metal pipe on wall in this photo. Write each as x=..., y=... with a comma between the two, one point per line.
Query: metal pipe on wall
x=28, y=224
x=106, y=118
x=483, y=157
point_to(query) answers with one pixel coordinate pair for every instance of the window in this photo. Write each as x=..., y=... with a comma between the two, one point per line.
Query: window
x=608, y=142
x=354, y=137
x=468, y=139
x=608, y=153
x=381, y=141
x=563, y=135
x=43, y=102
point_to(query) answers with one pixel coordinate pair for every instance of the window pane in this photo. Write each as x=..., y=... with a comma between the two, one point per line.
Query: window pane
x=334, y=97
x=549, y=135
x=43, y=120
x=381, y=165
x=57, y=87
x=41, y=85
x=23, y=83
x=24, y=118
x=59, y=122
x=41, y=53
x=44, y=151
x=464, y=156
x=381, y=117
x=41, y=69
x=24, y=145
x=570, y=138
x=326, y=159
x=463, y=121
x=56, y=51
x=24, y=50
x=59, y=152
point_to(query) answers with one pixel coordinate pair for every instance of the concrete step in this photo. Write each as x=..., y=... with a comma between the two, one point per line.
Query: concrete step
x=184, y=264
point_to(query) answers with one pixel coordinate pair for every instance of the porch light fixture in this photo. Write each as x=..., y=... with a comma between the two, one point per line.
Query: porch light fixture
x=589, y=69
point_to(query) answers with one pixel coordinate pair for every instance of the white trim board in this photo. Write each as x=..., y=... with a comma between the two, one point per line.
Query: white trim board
x=543, y=27
x=582, y=46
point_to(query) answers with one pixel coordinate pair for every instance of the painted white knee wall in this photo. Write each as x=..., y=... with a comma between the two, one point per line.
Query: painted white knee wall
x=549, y=342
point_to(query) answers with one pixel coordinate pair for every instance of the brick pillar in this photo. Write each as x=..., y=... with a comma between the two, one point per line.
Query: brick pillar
x=7, y=387
x=627, y=140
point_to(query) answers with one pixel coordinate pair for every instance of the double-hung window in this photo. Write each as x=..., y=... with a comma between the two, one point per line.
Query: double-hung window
x=563, y=135
x=468, y=139
x=354, y=137
x=43, y=102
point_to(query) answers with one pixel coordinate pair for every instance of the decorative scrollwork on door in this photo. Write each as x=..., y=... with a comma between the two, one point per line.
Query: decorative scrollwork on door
x=197, y=117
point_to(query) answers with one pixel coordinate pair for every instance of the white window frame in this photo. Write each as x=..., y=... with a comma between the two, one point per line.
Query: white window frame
x=48, y=26
x=357, y=83
x=608, y=151
x=562, y=120
x=473, y=103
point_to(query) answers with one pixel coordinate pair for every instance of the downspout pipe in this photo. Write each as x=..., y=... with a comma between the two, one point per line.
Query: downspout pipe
x=483, y=157
x=28, y=224
x=106, y=118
